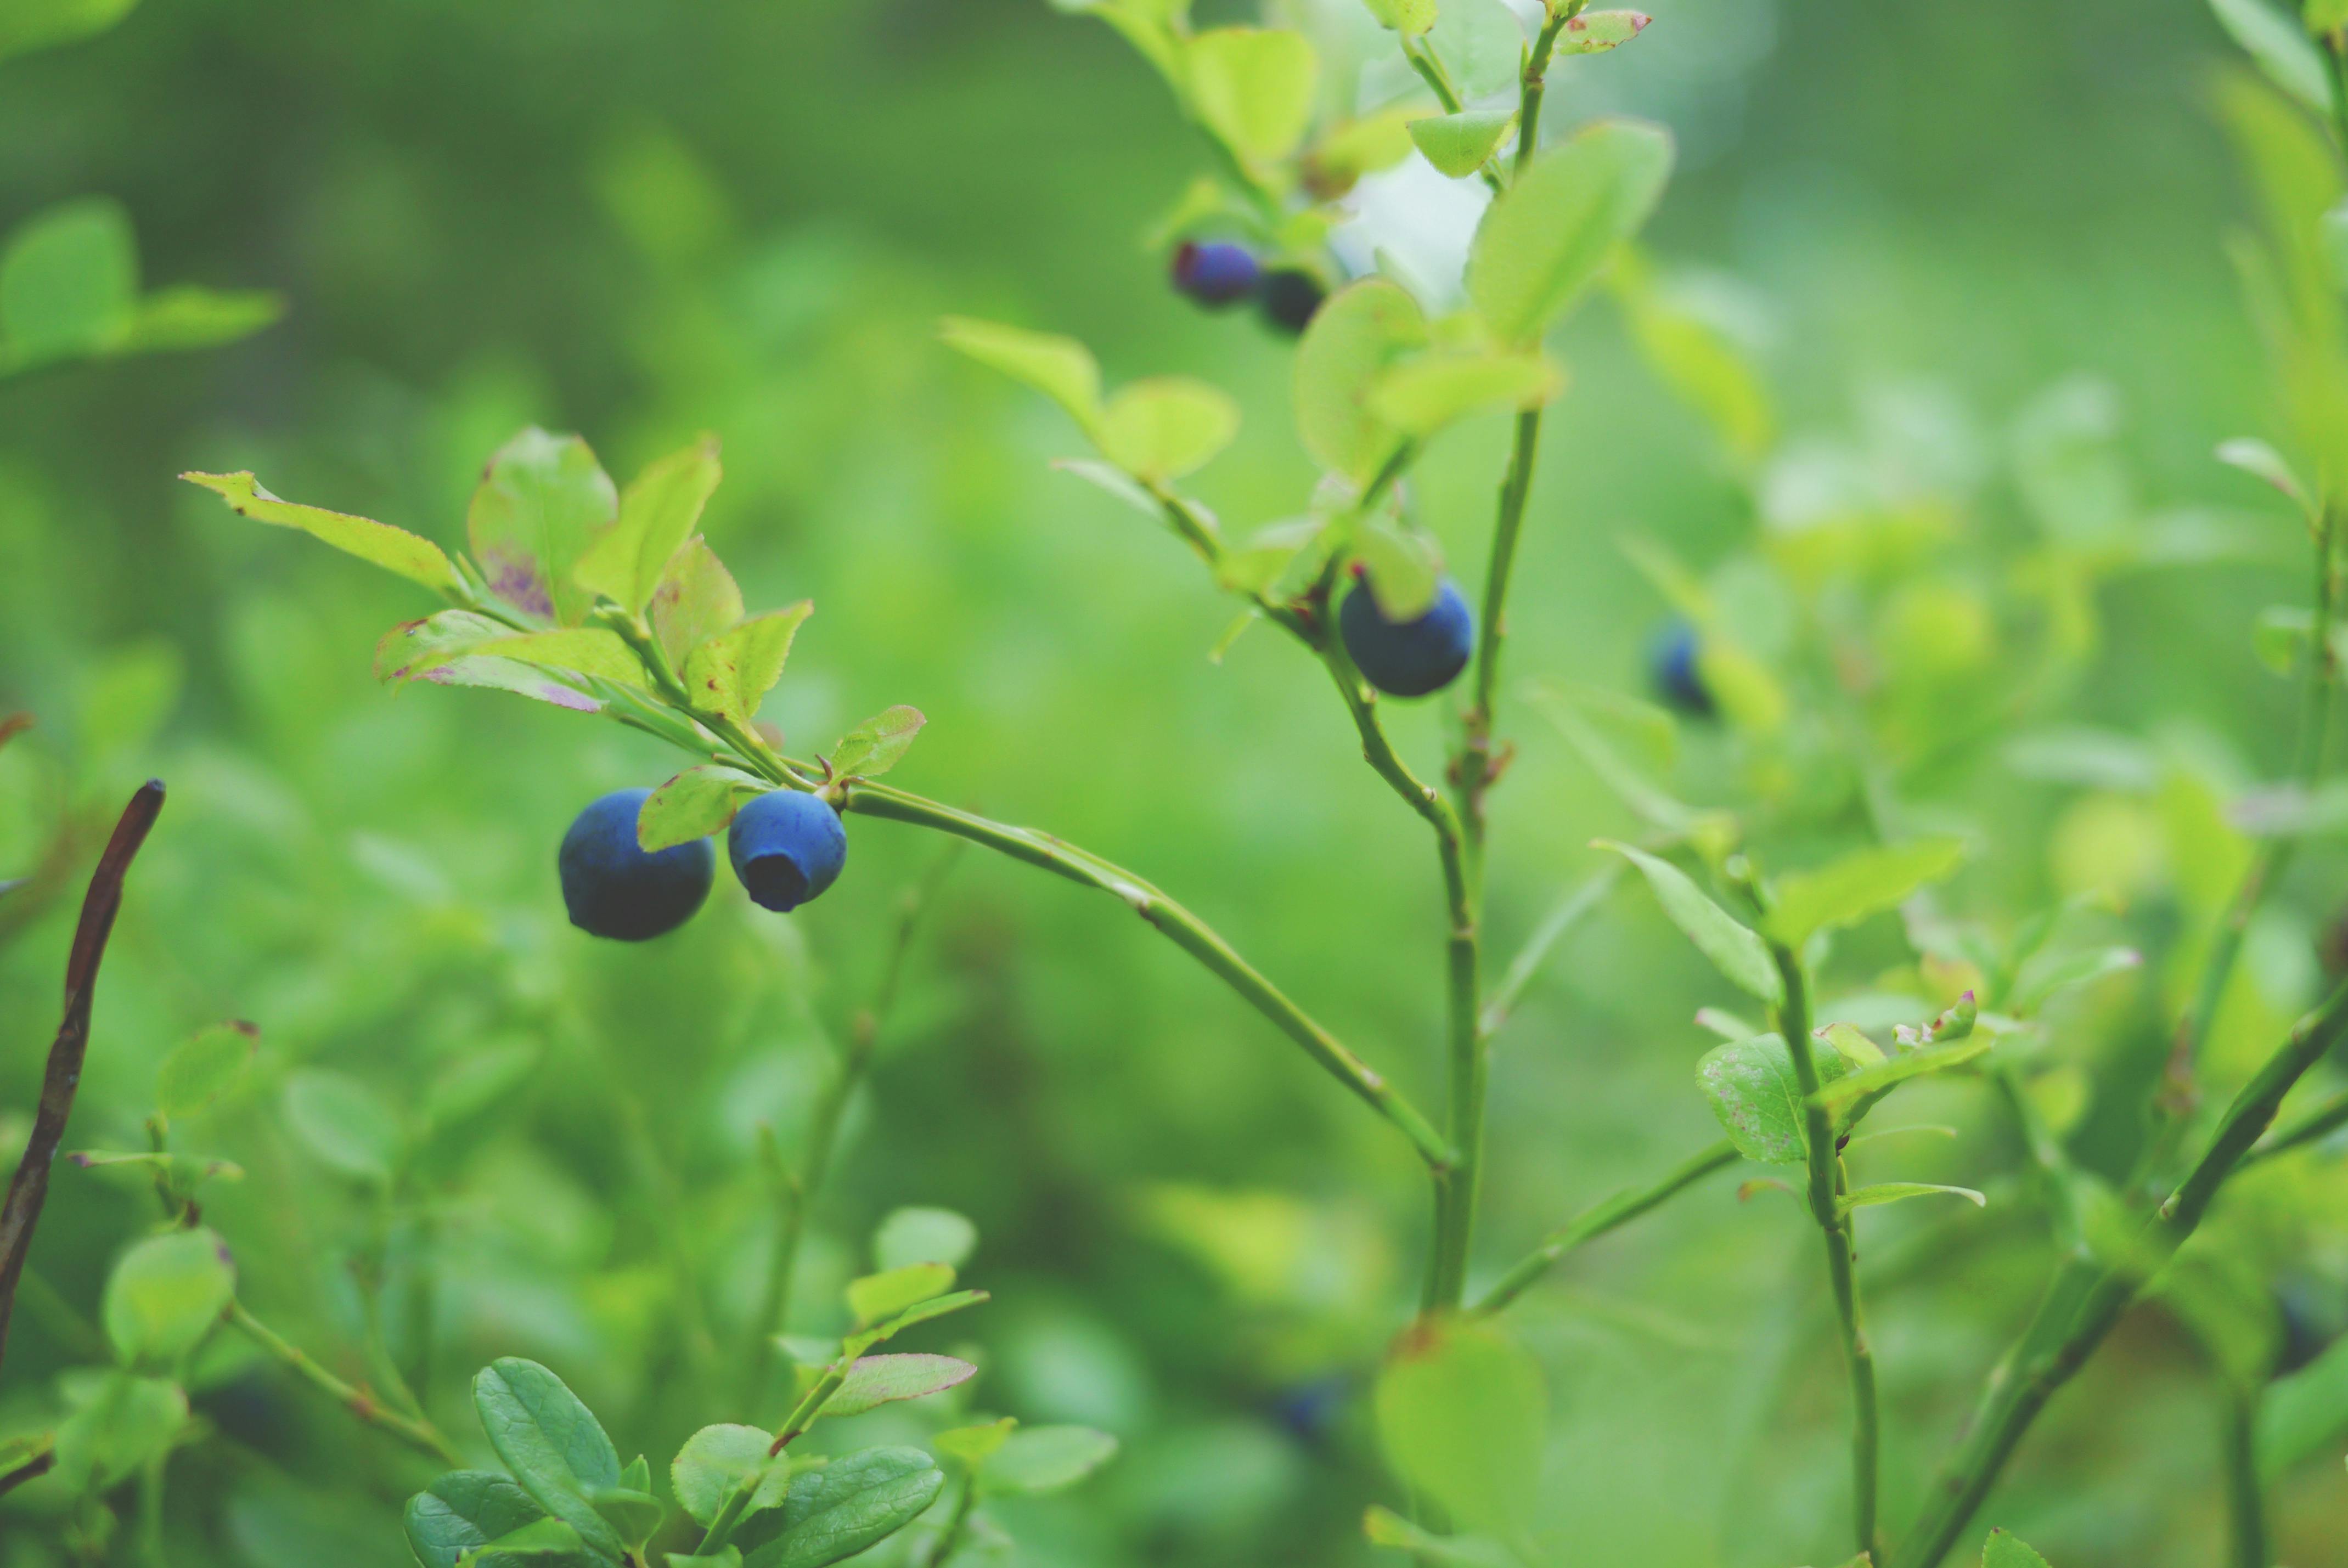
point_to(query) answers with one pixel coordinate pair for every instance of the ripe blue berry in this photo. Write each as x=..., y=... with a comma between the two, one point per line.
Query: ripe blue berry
x=786, y=847
x=613, y=889
x=1408, y=657
x=1672, y=665
x=1216, y=273
x=1291, y=297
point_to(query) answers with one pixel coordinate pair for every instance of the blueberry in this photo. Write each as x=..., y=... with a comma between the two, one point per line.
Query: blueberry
x=613, y=889
x=1290, y=297
x=1216, y=273
x=1672, y=660
x=1408, y=657
x=787, y=848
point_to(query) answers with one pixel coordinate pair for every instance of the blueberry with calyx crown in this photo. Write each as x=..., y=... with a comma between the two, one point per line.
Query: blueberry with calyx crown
x=787, y=848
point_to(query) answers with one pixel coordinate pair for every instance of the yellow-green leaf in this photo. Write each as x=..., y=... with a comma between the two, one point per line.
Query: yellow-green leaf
x=731, y=673
x=1544, y=240
x=879, y=744
x=1166, y=426
x=658, y=512
x=693, y=804
x=1458, y=144
x=1060, y=367
x=543, y=500
x=695, y=599
x=1362, y=330
x=1252, y=87
x=1420, y=396
x=395, y=549
x=1595, y=32
x=1860, y=884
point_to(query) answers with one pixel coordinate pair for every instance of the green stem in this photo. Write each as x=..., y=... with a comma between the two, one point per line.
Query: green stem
x=2086, y=1299
x=2178, y=1092
x=151, y=1510
x=950, y=1539
x=1825, y=1189
x=2246, y=1509
x=2324, y=1120
x=1606, y=1214
x=1536, y=85
x=1178, y=926
x=417, y=1433
x=1583, y=897
x=823, y=1130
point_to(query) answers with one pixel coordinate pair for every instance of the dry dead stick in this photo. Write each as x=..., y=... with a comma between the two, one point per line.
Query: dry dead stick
x=22, y=1210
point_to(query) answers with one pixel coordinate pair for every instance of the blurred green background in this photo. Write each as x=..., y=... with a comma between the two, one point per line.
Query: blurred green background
x=642, y=219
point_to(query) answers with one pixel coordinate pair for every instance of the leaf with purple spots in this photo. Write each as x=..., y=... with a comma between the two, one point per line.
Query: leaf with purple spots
x=542, y=501
x=697, y=599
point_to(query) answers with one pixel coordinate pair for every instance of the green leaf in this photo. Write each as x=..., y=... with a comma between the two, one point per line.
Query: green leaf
x=1864, y=883
x=589, y=650
x=1874, y=1076
x=695, y=599
x=2305, y=1414
x=541, y=1544
x=165, y=1295
x=1544, y=240
x=877, y=745
x=2049, y=974
x=715, y=1461
x=552, y=1444
x=911, y=1235
x=728, y=1556
x=2262, y=461
x=1709, y=370
x=2321, y=17
x=2003, y=1551
x=1897, y=1192
x=68, y=281
x=1060, y=367
x=1483, y=43
x=1595, y=32
x=395, y=549
x=129, y=1421
x=463, y=1511
x=1459, y=144
x=186, y=317
x=632, y=1512
x=543, y=502
x=892, y=1291
x=344, y=1122
x=1253, y=88
x=1114, y=481
x=1036, y=1460
x=1735, y=951
x=520, y=679
x=1753, y=1090
x=1420, y=396
x=658, y=512
x=413, y=647
x=1404, y=572
x=1166, y=426
x=875, y=1380
x=919, y=1312
x=971, y=1447
x=1462, y=1415
x=1410, y=17
x=731, y=673
x=27, y=25
x=840, y=1509
x=1354, y=338
x=1384, y=1528
x=693, y=804
x=2279, y=45
x=201, y=1069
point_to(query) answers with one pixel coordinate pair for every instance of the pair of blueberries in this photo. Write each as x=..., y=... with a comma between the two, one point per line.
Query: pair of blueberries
x=786, y=847
x=1216, y=273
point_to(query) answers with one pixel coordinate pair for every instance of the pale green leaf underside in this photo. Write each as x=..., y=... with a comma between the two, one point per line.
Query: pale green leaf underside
x=1734, y=949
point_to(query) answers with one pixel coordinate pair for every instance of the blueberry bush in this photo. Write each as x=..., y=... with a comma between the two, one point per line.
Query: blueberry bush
x=1998, y=994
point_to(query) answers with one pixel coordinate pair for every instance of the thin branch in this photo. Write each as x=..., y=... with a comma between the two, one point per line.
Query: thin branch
x=2087, y=1298
x=1607, y=1214
x=2246, y=1508
x=1826, y=1188
x=801, y=1186
x=1178, y=926
x=417, y=1433
x=22, y=1211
